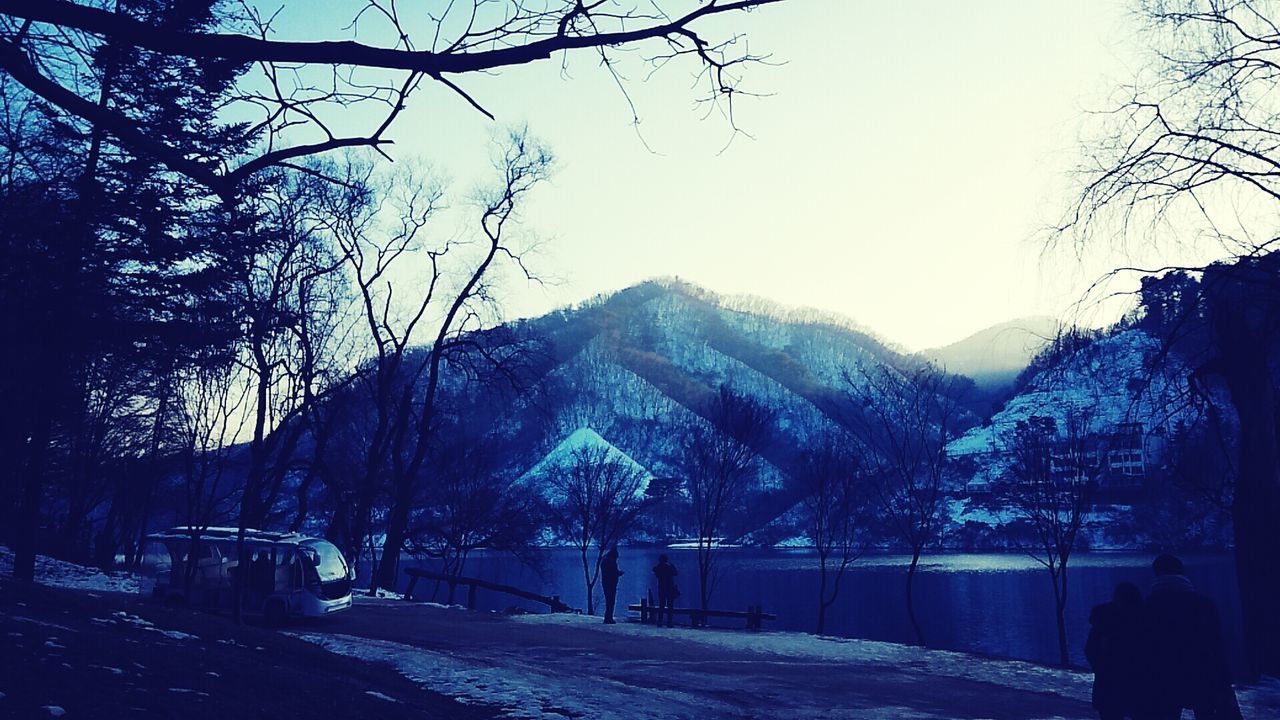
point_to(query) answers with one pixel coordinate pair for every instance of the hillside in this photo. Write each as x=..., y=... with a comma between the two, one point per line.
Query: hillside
x=1126, y=396
x=636, y=368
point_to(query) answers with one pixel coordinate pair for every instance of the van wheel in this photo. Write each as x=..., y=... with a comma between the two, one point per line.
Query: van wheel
x=274, y=612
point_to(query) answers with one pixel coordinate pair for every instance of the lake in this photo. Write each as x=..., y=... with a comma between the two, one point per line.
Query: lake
x=993, y=604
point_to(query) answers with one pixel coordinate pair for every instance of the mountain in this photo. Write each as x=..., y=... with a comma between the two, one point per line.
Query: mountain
x=993, y=357
x=637, y=367
x=635, y=370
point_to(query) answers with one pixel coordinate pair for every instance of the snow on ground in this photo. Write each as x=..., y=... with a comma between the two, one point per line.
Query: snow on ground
x=530, y=695
x=537, y=690
x=800, y=646
x=125, y=618
x=57, y=573
x=534, y=692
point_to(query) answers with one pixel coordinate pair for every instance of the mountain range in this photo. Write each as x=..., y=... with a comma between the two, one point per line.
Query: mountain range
x=633, y=370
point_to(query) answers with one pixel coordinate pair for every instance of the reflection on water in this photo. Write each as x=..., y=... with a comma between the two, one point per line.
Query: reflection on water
x=996, y=604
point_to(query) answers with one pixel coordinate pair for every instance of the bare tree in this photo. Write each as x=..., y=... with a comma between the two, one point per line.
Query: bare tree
x=212, y=396
x=470, y=503
x=595, y=495
x=300, y=91
x=720, y=461
x=830, y=477
x=1054, y=476
x=453, y=301
x=102, y=430
x=290, y=290
x=902, y=421
x=1192, y=151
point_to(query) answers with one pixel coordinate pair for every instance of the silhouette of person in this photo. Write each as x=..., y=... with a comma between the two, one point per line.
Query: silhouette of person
x=1116, y=650
x=609, y=574
x=667, y=590
x=1188, y=657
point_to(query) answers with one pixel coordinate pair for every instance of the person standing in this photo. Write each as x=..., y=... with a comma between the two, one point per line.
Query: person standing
x=667, y=590
x=1116, y=652
x=1188, y=656
x=609, y=574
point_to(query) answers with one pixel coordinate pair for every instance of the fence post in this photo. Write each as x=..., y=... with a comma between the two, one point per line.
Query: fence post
x=471, y=596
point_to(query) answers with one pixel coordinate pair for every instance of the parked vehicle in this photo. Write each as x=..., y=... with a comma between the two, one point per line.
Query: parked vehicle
x=288, y=575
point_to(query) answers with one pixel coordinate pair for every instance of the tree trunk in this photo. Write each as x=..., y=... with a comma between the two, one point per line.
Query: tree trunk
x=591, y=586
x=704, y=576
x=1243, y=316
x=384, y=574
x=822, y=595
x=911, y=608
x=24, y=546
x=822, y=604
x=1060, y=608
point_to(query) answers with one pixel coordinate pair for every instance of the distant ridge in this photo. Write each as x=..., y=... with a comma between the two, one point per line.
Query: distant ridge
x=993, y=357
x=750, y=304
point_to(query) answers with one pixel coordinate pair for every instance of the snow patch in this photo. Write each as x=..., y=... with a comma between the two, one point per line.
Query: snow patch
x=189, y=691
x=126, y=618
x=41, y=623
x=57, y=573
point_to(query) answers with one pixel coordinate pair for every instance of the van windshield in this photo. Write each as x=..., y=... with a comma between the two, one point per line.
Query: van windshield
x=327, y=559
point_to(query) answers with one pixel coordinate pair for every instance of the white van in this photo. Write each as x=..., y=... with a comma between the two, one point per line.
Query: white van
x=288, y=575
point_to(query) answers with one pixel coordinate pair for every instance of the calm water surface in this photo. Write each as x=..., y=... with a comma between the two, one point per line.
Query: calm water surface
x=994, y=604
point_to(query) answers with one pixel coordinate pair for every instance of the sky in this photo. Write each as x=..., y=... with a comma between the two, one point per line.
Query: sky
x=900, y=171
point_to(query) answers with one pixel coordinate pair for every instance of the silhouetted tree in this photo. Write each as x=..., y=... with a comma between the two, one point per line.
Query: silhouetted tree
x=830, y=476
x=720, y=460
x=595, y=494
x=1191, y=151
x=468, y=503
x=902, y=421
x=413, y=336
x=142, y=263
x=1054, y=476
x=212, y=399
x=304, y=89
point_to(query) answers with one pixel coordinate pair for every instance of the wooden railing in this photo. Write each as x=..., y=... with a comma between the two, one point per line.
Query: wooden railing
x=553, y=602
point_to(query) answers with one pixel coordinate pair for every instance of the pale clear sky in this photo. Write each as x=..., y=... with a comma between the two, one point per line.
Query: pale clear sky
x=900, y=173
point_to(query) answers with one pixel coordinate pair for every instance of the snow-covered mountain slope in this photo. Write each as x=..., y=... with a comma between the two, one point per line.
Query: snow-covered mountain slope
x=1114, y=381
x=1126, y=396
x=639, y=366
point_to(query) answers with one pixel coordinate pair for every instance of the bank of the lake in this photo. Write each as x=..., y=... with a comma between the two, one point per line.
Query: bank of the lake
x=999, y=605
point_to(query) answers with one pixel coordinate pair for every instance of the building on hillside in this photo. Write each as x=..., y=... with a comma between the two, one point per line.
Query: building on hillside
x=1118, y=459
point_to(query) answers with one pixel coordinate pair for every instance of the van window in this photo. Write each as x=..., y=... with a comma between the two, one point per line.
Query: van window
x=327, y=559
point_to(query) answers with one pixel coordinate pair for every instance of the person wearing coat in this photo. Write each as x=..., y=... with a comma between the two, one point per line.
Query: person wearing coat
x=1116, y=650
x=1188, y=656
x=667, y=590
x=609, y=574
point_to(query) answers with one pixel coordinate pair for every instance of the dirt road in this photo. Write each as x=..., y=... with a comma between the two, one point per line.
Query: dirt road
x=565, y=666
